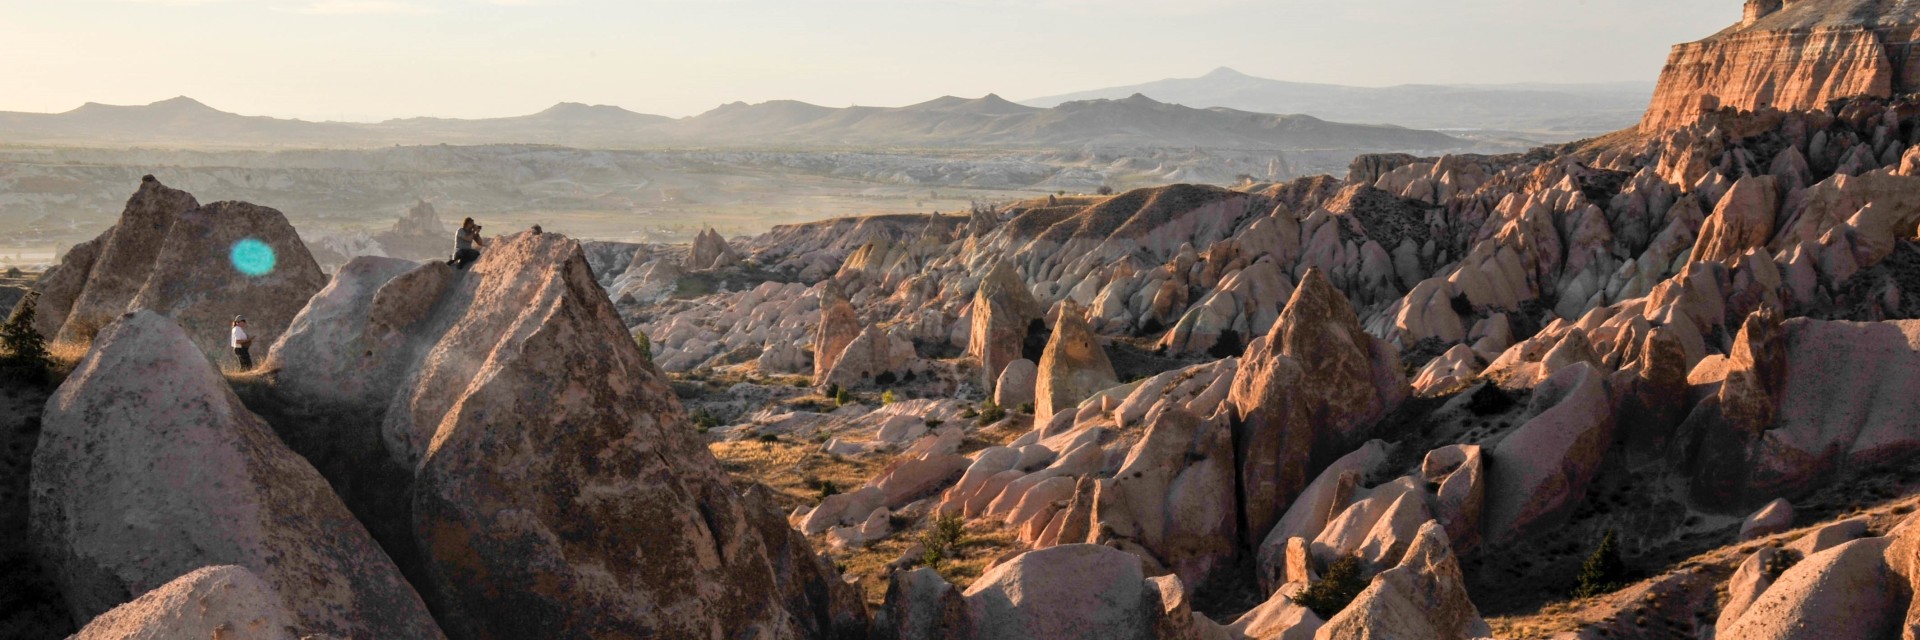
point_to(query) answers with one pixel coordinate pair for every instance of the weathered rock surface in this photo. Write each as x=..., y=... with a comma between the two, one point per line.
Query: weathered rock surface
x=1073, y=367
x=552, y=467
x=710, y=252
x=1844, y=593
x=839, y=325
x=198, y=264
x=1016, y=384
x=1003, y=309
x=1422, y=596
x=1774, y=518
x=1539, y=473
x=1076, y=591
x=225, y=601
x=1174, y=495
x=149, y=467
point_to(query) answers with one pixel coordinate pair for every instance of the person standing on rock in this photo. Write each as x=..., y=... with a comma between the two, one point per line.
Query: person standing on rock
x=242, y=342
x=464, y=242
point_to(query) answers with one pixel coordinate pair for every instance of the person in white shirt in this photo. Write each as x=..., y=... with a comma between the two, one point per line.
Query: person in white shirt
x=241, y=341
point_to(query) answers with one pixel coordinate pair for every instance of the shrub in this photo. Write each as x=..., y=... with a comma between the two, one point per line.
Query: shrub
x=841, y=397
x=1104, y=190
x=1341, y=584
x=942, y=540
x=969, y=414
x=646, y=345
x=833, y=390
x=703, y=420
x=826, y=488
x=1025, y=407
x=769, y=438
x=886, y=397
x=1603, y=572
x=26, y=357
x=990, y=413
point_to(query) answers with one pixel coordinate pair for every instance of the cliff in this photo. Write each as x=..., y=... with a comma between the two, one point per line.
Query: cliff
x=1793, y=55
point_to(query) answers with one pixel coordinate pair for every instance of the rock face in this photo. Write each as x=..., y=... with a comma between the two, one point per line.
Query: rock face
x=1174, y=494
x=1016, y=384
x=200, y=265
x=149, y=467
x=1421, y=597
x=1790, y=56
x=557, y=487
x=1541, y=471
x=838, y=326
x=710, y=252
x=1076, y=591
x=1073, y=367
x=1846, y=592
x=225, y=601
x=1307, y=395
x=1003, y=308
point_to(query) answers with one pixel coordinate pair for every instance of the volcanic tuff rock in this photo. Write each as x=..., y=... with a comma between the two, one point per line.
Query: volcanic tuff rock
x=1074, y=366
x=209, y=602
x=517, y=368
x=1791, y=56
x=1003, y=309
x=710, y=252
x=172, y=255
x=149, y=467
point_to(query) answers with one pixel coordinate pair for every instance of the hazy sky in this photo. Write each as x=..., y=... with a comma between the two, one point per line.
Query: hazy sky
x=375, y=59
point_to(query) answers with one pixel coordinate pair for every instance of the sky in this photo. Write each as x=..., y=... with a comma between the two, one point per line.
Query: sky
x=368, y=60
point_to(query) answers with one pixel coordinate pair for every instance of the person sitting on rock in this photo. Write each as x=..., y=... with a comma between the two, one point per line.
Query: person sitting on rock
x=464, y=242
x=242, y=342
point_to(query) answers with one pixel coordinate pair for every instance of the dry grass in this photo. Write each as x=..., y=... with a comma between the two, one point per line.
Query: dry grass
x=985, y=543
x=793, y=470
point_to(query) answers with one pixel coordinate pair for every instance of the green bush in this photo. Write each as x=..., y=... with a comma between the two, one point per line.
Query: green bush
x=1603, y=572
x=942, y=540
x=990, y=413
x=886, y=397
x=703, y=420
x=1025, y=407
x=1335, y=590
x=841, y=397
x=969, y=414
x=646, y=345
x=25, y=358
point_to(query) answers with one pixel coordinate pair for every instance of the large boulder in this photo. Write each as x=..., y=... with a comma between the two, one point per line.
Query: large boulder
x=1307, y=395
x=200, y=265
x=1076, y=591
x=1538, y=473
x=1742, y=220
x=1423, y=596
x=225, y=601
x=149, y=467
x=336, y=331
x=557, y=486
x=1174, y=494
x=871, y=355
x=1016, y=384
x=1073, y=367
x=1844, y=593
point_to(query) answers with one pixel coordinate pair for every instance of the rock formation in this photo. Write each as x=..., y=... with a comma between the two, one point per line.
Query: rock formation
x=551, y=467
x=838, y=326
x=1073, y=367
x=210, y=602
x=149, y=467
x=1789, y=56
x=1003, y=309
x=710, y=252
x=198, y=264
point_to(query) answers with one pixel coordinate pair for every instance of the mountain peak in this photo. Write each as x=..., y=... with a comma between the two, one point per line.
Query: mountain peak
x=1225, y=73
x=181, y=103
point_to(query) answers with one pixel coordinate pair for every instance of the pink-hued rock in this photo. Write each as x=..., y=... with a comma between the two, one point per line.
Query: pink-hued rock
x=337, y=348
x=1459, y=474
x=1307, y=395
x=1742, y=220
x=1073, y=367
x=710, y=252
x=1016, y=384
x=839, y=325
x=1003, y=307
x=1077, y=591
x=1174, y=494
x=874, y=352
x=225, y=601
x=1774, y=518
x=1421, y=597
x=1279, y=618
x=1844, y=593
x=1540, y=471
x=149, y=467
x=1326, y=498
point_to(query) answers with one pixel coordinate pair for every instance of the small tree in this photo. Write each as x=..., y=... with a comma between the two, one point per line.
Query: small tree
x=646, y=345
x=1335, y=590
x=942, y=540
x=1104, y=190
x=26, y=358
x=990, y=413
x=841, y=397
x=1603, y=572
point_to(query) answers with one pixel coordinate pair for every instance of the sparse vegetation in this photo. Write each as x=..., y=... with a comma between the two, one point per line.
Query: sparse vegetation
x=1025, y=407
x=841, y=397
x=641, y=340
x=886, y=397
x=990, y=413
x=703, y=421
x=25, y=356
x=1335, y=590
x=942, y=539
x=1603, y=572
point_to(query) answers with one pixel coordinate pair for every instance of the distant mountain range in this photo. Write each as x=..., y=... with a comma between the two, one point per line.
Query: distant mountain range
x=1581, y=109
x=1131, y=121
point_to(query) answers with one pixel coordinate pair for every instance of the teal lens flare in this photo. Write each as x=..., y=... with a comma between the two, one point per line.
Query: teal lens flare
x=252, y=257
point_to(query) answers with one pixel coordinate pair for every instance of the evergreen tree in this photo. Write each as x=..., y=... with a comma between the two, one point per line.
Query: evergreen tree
x=646, y=345
x=1603, y=571
x=1335, y=590
x=25, y=356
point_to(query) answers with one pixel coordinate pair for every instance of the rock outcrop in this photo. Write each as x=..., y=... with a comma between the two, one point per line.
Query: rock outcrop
x=556, y=485
x=198, y=264
x=839, y=325
x=710, y=252
x=149, y=467
x=1078, y=591
x=225, y=601
x=1307, y=393
x=1003, y=309
x=1073, y=367
x=1789, y=56
x=1423, y=596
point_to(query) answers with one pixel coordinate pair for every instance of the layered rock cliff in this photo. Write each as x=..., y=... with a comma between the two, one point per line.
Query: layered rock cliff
x=1791, y=56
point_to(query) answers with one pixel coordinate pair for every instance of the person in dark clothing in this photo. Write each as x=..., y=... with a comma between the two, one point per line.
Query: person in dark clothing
x=465, y=242
x=242, y=342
